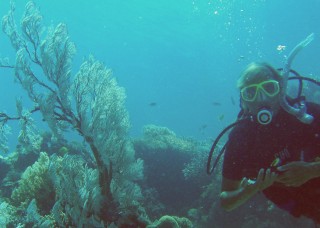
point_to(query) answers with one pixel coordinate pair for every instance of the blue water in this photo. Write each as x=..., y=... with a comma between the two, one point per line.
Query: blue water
x=183, y=55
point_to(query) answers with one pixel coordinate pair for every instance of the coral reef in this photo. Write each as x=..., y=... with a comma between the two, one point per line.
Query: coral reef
x=5, y=130
x=4, y=167
x=77, y=191
x=167, y=221
x=98, y=181
x=162, y=138
x=7, y=214
x=35, y=184
x=166, y=156
x=90, y=103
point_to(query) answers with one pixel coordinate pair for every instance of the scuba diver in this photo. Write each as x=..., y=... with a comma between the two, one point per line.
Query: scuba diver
x=274, y=147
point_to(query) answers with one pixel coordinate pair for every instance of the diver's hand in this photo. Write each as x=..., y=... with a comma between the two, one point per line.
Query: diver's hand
x=295, y=174
x=237, y=193
x=265, y=179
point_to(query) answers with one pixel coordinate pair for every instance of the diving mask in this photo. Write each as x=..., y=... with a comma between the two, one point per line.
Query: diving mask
x=270, y=88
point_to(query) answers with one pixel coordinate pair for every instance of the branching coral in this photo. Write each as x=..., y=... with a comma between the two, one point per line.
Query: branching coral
x=29, y=137
x=7, y=213
x=92, y=104
x=4, y=131
x=77, y=192
x=34, y=183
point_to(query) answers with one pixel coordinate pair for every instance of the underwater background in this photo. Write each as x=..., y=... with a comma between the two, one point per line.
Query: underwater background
x=183, y=56
x=178, y=62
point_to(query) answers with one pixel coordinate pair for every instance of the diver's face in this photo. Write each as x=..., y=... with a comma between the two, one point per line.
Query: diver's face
x=261, y=93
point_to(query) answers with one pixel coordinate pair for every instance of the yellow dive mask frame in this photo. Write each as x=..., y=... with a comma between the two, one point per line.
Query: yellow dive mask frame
x=270, y=87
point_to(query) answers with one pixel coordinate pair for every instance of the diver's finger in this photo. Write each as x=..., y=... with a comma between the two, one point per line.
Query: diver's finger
x=267, y=175
x=244, y=182
x=260, y=176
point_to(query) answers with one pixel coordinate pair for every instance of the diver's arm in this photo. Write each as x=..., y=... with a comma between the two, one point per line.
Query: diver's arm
x=236, y=193
x=315, y=169
x=233, y=197
x=297, y=173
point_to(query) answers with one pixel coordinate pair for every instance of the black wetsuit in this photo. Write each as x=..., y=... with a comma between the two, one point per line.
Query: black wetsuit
x=252, y=146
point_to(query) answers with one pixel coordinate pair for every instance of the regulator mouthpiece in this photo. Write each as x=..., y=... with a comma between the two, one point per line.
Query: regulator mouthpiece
x=264, y=116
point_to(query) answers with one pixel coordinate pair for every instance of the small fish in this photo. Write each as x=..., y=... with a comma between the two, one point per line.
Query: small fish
x=153, y=104
x=216, y=103
x=202, y=127
x=221, y=117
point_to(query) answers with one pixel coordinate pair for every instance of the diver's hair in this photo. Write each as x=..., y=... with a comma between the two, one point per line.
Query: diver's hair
x=254, y=69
